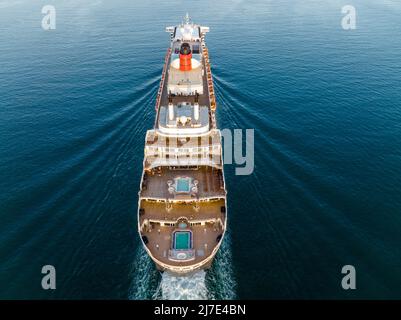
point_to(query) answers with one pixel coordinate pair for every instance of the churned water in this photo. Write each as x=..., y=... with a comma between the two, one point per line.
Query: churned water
x=325, y=104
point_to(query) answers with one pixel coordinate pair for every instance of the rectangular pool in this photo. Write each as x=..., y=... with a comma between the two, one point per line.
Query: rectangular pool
x=183, y=185
x=182, y=240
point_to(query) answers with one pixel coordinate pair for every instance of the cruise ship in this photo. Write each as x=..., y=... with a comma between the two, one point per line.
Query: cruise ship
x=182, y=213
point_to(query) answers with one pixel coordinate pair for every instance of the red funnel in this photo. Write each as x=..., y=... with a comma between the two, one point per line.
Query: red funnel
x=185, y=57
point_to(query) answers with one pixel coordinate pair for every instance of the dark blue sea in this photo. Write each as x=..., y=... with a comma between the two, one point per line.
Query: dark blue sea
x=325, y=104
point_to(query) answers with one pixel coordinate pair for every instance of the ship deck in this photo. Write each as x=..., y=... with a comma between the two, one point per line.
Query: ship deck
x=210, y=182
x=203, y=99
x=204, y=241
x=205, y=237
x=158, y=211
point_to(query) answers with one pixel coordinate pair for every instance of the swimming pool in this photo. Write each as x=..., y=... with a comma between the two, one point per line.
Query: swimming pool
x=182, y=240
x=182, y=185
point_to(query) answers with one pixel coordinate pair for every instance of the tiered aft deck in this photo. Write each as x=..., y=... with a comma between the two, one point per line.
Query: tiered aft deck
x=160, y=222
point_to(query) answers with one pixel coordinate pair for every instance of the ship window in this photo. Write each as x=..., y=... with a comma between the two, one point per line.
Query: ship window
x=195, y=49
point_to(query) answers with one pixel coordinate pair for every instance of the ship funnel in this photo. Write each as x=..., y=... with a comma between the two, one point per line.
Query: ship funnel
x=171, y=111
x=185, y=57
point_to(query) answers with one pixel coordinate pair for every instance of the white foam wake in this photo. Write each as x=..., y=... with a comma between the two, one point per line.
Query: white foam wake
x=191, y=287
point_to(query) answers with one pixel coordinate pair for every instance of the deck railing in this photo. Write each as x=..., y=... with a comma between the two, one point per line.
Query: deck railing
x=159, y=93
x=209, y=80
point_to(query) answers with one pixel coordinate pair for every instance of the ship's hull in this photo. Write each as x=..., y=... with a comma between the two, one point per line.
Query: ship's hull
x=182, y=207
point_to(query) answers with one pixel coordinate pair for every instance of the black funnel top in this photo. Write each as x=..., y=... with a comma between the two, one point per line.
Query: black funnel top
x=185, y=49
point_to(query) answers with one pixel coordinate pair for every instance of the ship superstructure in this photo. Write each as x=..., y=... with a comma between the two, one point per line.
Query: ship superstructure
x=182, y=200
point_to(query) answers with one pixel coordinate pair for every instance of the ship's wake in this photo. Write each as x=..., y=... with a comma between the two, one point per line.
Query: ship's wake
x=215, y=283
x=192, y=287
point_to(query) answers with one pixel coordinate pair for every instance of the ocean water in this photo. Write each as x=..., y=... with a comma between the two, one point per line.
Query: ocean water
x=325, y=104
